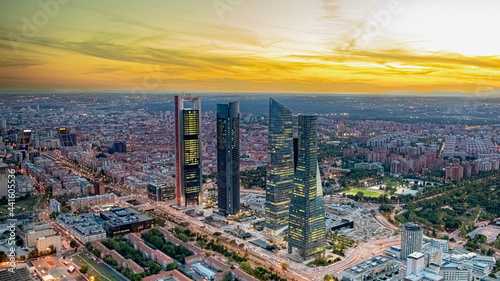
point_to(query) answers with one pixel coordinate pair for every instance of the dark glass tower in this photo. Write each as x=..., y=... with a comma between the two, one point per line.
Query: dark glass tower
x=66, y=137
x=24, y=140
x=280, y=168
x=307, y=213
x=120, y=146
x=188, y=151
x=228, y=157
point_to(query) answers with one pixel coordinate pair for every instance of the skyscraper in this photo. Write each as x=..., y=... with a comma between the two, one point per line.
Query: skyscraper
x=66, y=137
x=411, y=240
x=307, y=213
x=24, y=140
x=228, y=157
x=188, y=153
x=280, y=168
x=120, y=146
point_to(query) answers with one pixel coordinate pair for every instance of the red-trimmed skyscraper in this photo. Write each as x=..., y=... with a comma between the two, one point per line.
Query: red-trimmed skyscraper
x=188, y=151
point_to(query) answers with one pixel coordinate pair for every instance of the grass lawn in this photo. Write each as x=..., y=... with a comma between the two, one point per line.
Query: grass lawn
x=28, y=204
x=100, y=272
x=366, y=193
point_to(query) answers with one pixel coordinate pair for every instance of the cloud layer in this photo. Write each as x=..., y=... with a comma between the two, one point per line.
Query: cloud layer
x=321, y=46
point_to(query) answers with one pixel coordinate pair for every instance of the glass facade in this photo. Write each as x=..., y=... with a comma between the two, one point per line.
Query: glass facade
x=188, y=152
x=307, y=213
x=280, y=168
x=228, y=157
x=66, y=138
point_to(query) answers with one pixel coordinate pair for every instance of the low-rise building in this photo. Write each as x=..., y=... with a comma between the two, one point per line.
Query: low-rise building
x=92, y=201
x=43, y=243
x=55, y=206
x=24, y=184
x=84, y=227
x=118, y=221
x=37, y=231
x=370, y=269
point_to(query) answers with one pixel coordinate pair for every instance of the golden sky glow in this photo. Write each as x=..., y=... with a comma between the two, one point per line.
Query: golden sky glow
x=317, y=46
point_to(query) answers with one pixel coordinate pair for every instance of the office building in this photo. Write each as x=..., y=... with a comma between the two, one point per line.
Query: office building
x=188, y=151
x=280, y=168
x=120, y=146
x=307, y=213
x=424, y=276
x=66, y=137
x=84, y=227
x=372, y=269
x=24, y=140
x=228, y=157
x=455, y=272
x=118, y=221
x=411, y=240
x=415, y=263
x=161, y=192
x=444, y=245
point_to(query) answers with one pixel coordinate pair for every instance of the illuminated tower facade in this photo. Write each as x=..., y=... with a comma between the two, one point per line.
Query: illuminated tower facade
x=228, y=157
x=307, y=213
x=280, y=168
x=188, y=154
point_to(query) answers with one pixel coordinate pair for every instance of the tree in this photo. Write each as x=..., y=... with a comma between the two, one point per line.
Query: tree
x=89, y=246
x=228, y=276
x=73, y=244
x=327, y=278
x=384, y=208
x=245, y=266
x=84, y=268
x=97, y=252
x=284, y=266
x=171, y=266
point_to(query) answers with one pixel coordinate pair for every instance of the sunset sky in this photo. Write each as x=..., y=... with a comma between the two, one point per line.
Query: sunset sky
x=286, y=46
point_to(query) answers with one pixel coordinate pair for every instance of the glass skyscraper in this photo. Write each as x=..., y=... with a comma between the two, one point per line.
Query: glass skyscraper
x=228, y=157
x=188, y=151
x=307, y=213
x=66, y=137
x=280, y=168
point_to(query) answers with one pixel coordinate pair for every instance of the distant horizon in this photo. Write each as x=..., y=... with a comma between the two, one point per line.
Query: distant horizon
x=489, y=93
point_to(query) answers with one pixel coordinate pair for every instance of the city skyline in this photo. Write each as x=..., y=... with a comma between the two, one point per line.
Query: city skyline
x=323, y=46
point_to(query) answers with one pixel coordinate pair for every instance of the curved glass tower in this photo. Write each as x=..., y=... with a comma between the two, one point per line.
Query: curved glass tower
x=280, y=168
x=307, y=213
